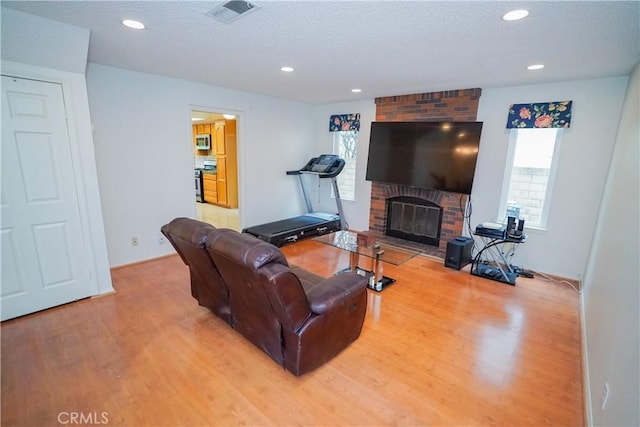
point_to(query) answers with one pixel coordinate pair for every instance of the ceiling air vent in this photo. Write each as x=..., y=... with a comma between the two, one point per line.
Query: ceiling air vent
x=229, y=11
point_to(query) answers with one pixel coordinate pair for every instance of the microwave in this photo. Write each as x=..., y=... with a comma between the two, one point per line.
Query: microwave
x=203, y=142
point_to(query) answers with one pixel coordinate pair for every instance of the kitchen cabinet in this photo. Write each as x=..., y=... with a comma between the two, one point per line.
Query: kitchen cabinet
x=225, y=150
x=210, y=187
x=219, y=139
x=222, y=183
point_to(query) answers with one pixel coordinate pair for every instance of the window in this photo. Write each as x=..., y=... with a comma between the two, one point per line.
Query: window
x=528, y=179
x=345, y=145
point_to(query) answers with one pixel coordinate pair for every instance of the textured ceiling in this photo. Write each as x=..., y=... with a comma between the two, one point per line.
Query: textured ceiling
x=382, y=47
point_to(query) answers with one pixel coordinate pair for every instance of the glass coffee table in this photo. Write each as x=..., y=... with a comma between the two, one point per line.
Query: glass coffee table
x=378, y=252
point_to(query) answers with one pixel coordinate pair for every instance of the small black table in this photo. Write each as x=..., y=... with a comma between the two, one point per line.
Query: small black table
x=496, y=266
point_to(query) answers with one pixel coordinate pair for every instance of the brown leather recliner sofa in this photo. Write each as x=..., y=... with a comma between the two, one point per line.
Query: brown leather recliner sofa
x=300, y=319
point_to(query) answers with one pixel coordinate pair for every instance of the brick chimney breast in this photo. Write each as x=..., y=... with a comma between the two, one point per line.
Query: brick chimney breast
x=454, y=105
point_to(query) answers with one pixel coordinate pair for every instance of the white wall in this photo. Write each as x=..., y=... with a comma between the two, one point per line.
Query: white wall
x=586, y=149
x=356, y=212
x=563, y=248
x=611, y=298
x=142, y=134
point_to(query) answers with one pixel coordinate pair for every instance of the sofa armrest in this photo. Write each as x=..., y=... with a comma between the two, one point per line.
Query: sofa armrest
x=335, y=292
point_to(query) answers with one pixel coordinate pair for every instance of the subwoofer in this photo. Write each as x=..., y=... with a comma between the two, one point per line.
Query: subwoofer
x=458, y=252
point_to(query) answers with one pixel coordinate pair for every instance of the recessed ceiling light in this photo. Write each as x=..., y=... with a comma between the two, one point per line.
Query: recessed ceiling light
x=229, y=116
x=535, y=67
x=287, y=69
x=356, y=90
x=136, y=25
x=515, y=15
x=196, y=119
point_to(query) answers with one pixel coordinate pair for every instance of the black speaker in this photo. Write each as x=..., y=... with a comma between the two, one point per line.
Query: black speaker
x=517, y=233
x=458, y=252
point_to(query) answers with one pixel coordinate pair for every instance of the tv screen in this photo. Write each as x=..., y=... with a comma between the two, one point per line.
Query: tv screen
x=434, y=155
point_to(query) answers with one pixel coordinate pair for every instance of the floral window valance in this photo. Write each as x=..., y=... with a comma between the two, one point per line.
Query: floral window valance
x=540, y=115
x=344, y=122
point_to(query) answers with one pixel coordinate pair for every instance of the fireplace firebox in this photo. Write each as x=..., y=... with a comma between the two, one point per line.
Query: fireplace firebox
x=414, y=219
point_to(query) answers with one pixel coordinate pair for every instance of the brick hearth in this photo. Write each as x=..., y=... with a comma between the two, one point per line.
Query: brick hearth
x=453, y=105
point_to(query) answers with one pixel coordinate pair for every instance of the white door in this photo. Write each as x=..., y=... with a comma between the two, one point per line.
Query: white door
x=44, y=255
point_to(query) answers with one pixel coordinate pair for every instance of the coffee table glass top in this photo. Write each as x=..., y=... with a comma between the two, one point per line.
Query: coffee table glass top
x=348, y=241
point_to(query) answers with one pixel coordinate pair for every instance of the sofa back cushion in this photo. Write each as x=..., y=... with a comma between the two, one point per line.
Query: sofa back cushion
x=264, y=296
x=189, y=237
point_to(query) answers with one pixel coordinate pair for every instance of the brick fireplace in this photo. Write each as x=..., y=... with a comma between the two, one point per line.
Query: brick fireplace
x=414, y=218
x=453, y=105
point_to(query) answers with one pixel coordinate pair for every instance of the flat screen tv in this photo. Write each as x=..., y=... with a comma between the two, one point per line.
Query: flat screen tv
x=434, y=155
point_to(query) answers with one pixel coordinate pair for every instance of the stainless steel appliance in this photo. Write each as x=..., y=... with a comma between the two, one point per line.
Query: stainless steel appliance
x=203, y=142
x=199, y=186
x=210, y=165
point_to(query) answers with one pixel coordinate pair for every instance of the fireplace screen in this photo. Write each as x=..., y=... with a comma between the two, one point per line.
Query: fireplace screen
x=414, y=219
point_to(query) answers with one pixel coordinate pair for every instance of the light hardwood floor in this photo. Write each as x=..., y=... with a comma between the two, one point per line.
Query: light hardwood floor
x=438, y=347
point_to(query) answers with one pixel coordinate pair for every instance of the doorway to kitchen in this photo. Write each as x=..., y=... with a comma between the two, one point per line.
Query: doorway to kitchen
x=215, y=158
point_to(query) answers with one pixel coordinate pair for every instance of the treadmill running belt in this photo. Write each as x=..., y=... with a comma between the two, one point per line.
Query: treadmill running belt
x=285, y=224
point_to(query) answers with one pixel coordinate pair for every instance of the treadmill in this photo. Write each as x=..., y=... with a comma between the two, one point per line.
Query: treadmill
x=313, y=223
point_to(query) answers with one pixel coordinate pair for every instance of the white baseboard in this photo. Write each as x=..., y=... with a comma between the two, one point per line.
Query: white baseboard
x=585, y=366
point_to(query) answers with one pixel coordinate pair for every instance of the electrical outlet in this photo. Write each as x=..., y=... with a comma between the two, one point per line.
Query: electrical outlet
x=605, y=396
x=134, y=241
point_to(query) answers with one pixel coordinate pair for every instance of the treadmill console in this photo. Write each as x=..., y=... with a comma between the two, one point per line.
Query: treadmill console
x=323, y=163
x=325, y=166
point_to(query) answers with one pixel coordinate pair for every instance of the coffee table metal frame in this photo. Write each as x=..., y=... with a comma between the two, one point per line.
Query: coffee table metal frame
x=379, y=252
